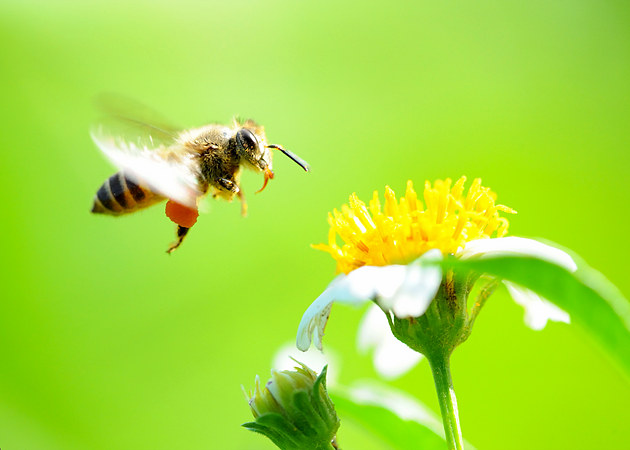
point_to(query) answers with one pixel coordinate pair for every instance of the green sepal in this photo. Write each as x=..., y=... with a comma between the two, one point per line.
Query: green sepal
x=278, y=429
x=442, y=327
x=323, y=404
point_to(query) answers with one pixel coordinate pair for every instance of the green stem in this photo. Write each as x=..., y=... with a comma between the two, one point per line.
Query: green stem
x=440, y=366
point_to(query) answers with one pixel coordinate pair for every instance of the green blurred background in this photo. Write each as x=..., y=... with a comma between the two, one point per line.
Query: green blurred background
x=108, y=343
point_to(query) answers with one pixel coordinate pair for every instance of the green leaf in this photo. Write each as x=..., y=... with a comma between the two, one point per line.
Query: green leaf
x=278, y=430
x=381, y=422
x=590, y=299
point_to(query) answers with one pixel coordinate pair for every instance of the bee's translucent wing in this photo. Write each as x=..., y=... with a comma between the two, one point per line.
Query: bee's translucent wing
x=165, y=171
x=134, y=122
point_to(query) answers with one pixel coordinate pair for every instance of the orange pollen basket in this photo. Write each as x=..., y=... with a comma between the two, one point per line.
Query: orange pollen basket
x=180, y=214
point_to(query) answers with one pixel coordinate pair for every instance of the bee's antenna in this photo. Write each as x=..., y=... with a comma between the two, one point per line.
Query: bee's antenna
x=296, y=159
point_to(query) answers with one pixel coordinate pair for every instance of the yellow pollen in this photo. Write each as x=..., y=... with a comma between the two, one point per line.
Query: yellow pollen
x=400, y=231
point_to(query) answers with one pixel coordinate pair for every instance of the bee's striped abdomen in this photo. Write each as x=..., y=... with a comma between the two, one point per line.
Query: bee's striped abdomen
x=120, y=195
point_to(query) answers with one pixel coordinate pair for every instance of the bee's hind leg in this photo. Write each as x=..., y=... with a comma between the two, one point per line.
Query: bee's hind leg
x=181, y=234
x=184, y=216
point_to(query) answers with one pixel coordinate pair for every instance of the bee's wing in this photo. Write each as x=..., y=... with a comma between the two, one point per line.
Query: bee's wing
x=164, y=170
x=134, y=122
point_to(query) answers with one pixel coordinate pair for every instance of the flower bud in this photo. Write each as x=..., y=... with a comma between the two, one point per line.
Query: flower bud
x=294, y=410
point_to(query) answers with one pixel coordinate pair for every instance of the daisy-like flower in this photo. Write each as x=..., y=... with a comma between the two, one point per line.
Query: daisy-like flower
x=388, y=255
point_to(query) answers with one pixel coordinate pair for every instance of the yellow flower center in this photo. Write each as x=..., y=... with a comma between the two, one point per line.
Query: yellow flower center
x=405, y=229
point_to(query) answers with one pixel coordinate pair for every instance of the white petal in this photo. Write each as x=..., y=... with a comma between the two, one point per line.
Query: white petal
x=391, y=357
x=419, y=287
x=358, y=287
x=538, y=310
x=370, y=282
x=407, y=290
x=372, y=328
x=314, y=320
x=484, y=248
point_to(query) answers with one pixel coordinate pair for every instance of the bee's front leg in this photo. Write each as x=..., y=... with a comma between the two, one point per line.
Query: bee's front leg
x=228, y=185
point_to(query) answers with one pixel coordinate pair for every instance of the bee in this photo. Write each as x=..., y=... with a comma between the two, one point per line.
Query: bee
x=159, y=162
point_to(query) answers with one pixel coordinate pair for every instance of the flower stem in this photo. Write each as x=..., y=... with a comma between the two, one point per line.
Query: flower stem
x=440, y=366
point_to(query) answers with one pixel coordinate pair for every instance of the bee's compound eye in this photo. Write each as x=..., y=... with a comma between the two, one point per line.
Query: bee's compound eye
x=246, y=139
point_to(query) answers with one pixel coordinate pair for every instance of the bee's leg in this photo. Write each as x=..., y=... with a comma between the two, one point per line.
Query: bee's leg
x=228, y=185
x=232, y=187
x=181, y=234
x=241, y=197
x=184, y=216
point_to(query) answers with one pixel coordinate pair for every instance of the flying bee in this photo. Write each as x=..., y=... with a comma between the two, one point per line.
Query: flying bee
x=159, y=162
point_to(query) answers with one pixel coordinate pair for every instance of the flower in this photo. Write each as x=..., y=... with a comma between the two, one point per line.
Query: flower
x=294, y=410
x=402, y=231
x=390, y=255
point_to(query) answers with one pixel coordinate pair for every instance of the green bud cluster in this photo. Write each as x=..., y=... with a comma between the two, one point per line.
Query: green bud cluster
x=294, y=410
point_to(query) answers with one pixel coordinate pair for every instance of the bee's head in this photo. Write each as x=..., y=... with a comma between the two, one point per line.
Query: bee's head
x=252, y=148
